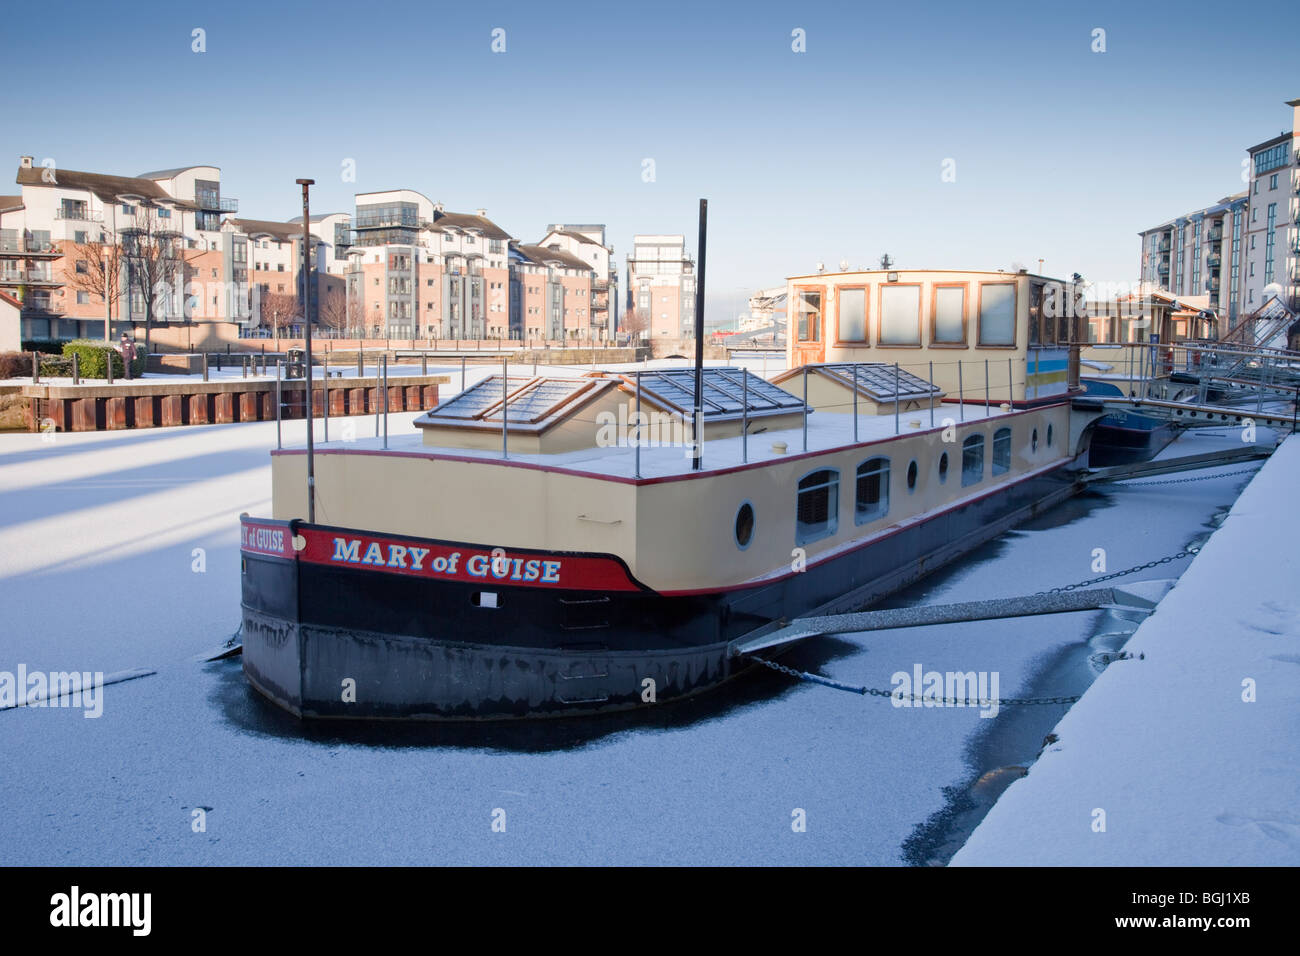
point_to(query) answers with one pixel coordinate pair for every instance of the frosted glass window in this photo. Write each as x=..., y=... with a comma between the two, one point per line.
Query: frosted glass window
x=949, y=311
x=853, y=315
x=997, y=315
x=900, y=315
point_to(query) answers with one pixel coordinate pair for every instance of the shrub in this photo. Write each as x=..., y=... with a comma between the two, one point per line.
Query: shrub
x=54, y=366
x=93, y=357
x=15, y=364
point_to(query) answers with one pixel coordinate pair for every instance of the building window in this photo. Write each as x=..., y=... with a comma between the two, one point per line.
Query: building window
x=949, y=315
x=817, y=511
x=1001, y=451
x=872, y=490
x=808, y=307
x=83, y=267
x=972, y=460
x=997, y=314
x=851, y=311
x=83, y=298
x=900, y=315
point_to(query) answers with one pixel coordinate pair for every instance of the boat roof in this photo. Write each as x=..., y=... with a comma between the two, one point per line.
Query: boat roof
x=726, y=393
x=875, y=380
x=529, y=403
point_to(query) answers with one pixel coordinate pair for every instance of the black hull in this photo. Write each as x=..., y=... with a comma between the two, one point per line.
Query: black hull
x=425, y=649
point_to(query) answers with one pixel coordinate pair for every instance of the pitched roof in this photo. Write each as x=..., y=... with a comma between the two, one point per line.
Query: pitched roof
x=542, y=255
x=446, y=221
x=11, y=202
x=283, y=231
x=6, y=297
x=581, y=237
x=108, y=188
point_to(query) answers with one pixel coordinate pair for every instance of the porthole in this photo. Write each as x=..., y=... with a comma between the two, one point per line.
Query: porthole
x=1033, y=441
x=943, y=468
x=744, y=526
x=911, y=475
x=1049, y=436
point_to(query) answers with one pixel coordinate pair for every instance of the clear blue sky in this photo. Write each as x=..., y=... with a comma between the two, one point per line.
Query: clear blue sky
x=834, y=153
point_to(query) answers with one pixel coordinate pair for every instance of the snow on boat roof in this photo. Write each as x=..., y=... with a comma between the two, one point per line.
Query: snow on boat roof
x=670, y=456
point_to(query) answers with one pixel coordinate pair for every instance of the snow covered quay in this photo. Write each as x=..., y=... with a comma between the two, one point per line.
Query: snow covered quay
x=1185, y=753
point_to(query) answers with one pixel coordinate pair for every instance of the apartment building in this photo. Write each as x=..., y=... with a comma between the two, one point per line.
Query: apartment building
x=1200, y=253
x=61, y=218
x=550, y=293
x=1272, y=230
x=1243, y=249
x=417, y=270
x=661, y=286
x=587, y=242
x=264, y=257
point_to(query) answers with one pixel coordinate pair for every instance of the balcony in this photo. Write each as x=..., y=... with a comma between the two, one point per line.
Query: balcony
x=27, y=248
x=78, y=215
x=36, y=277
x=1213, y=260
x=1215, y=234
x=1164, y=246
x=228, y=205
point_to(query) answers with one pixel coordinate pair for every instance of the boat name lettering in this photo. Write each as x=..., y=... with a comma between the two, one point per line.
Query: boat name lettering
x=406, y=557
x=268, y=540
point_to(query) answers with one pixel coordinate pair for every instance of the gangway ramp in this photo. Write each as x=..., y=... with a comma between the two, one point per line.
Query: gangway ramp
x=1140, y=596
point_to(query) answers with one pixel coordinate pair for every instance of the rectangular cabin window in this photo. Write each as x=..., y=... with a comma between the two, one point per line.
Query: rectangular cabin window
x=972, y=460
x=852, y=315
x=949, y=315
x=872, y=491
x=818, y=506
x=808, y=305
x=997, y=314
x=1035, y=313
x=1001, y=451
x=900, y=315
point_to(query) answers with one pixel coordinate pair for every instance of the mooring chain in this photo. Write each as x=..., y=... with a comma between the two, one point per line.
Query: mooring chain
x=1179, y=481
x=874, y=692
x=1185, y=553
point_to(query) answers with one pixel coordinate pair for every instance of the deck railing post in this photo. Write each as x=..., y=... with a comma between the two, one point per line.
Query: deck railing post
x=385, y=400
x=805, y=408
x=636, y=442
x=462, y=373
x=505, y=408
x=1011, y=383
x=961, y=395
x=932, y=394
x=855, y=403
x=744, y=415
x=988, y=401
x=279, y=404
x=897, y=398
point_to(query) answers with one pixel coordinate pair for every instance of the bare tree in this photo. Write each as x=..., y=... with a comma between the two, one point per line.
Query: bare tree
x=334, y=309
x=633, y=323
x=280, y=309
x=154, y=255
x=97, y=270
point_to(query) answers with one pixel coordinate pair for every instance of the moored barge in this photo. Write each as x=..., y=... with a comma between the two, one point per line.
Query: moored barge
x=548, y=545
